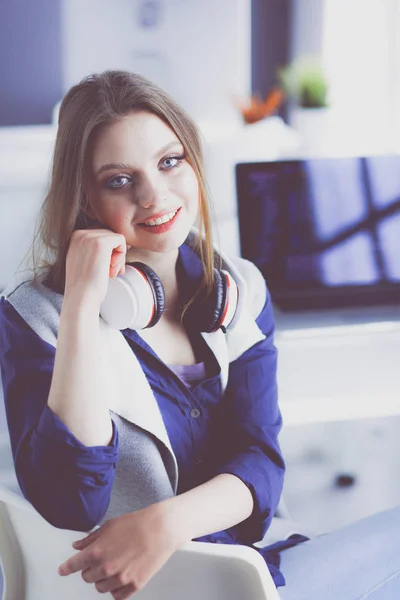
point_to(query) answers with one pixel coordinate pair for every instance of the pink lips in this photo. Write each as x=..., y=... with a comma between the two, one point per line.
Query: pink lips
x=164, y=226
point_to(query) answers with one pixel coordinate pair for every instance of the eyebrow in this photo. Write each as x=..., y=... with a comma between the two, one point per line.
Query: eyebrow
x=122, y=166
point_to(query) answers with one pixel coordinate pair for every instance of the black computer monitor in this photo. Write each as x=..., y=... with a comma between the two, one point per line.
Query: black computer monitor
x=324, y=232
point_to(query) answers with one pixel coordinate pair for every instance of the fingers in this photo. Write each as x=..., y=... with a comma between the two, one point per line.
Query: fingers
x=86, y=541
x=124, y=593
x=112, y=584
x=118, y=584
x=100, y=575
x=120, y=249
x=101, y=238
x=105, y=575
x=117, y=263
x=89, y=576
x=78, y=562
x=102, y=243
x=85, y=558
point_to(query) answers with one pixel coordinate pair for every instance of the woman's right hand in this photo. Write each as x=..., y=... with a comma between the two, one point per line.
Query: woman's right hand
x=94, y=255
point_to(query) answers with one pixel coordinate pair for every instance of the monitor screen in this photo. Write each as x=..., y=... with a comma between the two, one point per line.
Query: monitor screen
x=324, y=232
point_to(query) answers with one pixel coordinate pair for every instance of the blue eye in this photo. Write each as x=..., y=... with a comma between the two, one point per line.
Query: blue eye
x=117, y=182
x=172, y=161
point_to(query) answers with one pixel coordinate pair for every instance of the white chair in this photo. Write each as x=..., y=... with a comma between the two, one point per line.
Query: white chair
x=31, y=551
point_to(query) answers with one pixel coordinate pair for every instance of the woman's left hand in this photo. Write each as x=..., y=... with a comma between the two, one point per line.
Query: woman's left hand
x=123, y=554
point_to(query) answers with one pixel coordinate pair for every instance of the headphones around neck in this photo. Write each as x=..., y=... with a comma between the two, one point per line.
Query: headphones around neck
x=136, y=300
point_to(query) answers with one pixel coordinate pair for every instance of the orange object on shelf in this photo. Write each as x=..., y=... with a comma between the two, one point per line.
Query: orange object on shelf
x=256, y=109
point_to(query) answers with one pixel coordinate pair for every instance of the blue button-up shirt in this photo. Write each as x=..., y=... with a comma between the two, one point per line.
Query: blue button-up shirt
x=210, y=432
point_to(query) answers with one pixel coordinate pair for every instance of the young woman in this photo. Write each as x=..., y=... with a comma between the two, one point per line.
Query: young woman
x=158, y=420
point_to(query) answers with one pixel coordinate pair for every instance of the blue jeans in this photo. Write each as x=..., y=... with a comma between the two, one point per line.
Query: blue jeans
x=358, y=562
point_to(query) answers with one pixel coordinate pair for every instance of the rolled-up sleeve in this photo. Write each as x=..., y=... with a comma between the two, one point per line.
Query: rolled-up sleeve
x=252, y=422
x=67, y=482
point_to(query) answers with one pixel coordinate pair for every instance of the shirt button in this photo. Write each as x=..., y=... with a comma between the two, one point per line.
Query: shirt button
x=195, y=413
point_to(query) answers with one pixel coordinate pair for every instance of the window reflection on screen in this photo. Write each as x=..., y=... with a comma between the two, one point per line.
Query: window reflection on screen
x=389, y=240
x=336, y=195
x=322, y=223
x=384, y=174
x=350, y=262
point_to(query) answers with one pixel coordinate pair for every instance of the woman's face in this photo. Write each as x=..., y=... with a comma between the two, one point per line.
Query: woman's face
x=141, y=184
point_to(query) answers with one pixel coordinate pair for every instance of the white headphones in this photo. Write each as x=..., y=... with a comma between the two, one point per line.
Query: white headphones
x=136, y=300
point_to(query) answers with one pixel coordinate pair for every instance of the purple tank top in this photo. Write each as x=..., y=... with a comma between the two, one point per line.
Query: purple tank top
x=190, y=374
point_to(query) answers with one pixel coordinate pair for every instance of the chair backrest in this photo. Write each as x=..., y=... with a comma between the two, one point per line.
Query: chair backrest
x=31, y=551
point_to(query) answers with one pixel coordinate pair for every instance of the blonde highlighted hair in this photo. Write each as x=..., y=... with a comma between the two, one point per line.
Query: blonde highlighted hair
x=95, y=101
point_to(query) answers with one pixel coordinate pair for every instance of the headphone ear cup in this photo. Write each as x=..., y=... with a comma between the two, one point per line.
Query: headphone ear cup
x=157, y=289
x=206, y=313
x=134, y=299
x=216, y=302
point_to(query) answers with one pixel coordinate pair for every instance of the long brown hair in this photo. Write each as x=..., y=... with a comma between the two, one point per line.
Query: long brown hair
x=96, y=100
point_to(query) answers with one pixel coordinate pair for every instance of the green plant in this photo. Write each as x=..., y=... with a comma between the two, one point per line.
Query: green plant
x=304, y=82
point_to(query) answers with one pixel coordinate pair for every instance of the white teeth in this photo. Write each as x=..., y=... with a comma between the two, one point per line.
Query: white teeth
x=160, y=220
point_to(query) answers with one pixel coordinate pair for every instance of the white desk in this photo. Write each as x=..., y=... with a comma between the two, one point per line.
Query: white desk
x=338, y=371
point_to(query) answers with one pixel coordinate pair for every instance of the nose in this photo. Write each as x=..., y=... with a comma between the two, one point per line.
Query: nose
x=152, y=191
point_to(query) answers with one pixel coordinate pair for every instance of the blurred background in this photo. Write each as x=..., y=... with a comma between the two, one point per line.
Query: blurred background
x=298, y=103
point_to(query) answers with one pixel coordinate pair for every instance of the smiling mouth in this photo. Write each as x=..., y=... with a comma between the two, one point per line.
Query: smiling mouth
x=160, y=220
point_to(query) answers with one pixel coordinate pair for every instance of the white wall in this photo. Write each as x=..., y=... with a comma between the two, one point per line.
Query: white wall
x=307, y=27
x=198, y=51
x=25, y=155
x=361, y=57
